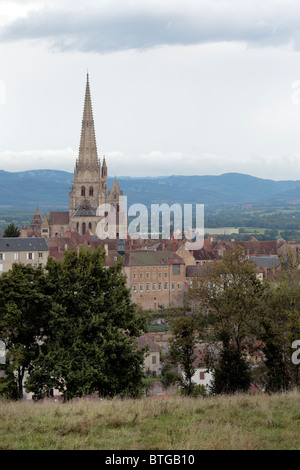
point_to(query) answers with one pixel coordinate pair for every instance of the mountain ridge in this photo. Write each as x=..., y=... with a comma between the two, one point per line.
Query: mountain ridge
x=50, y=189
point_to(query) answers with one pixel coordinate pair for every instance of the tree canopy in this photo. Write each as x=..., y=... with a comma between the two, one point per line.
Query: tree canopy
x=91, y=343
x=11, y=231
x=182, y=349
x=24, y=315
x=226, y=297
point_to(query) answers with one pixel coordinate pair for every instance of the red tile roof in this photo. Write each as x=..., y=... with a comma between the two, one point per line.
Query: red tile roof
x=59, y=218
x=147, y=340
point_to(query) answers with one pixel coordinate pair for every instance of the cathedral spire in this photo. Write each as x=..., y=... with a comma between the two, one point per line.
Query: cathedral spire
x=104, y=169
x=88, y=158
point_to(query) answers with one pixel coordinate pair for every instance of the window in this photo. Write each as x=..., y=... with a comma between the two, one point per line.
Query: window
x=83, y=228
x=141, y=287
x=153, y=275
x=91, y=191
x=2, y=256
x=16, y=256
x=179, y=286
x=148, y=287
x=1, y=267
x=173, y=285
x=166, y=286
x=153, y=359
x=166, y=274
x=176, y=269
x=90, y=225
x=148, y=275
x=134, y=276
x=134, y=288
x=83, y=191
x=202, y=375
x=159, y=286
x=159, y=274
x=30, y=255
x=141, y=276
x=40, y=255
x=154, y=287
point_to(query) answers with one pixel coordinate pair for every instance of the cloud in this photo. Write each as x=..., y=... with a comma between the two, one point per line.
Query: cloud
x=118, y=26
x=63, y=159
x=157, y=163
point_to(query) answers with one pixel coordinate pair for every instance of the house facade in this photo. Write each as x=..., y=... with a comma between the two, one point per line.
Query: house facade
x=156, y=279
x=152, y=355
x=32, y=250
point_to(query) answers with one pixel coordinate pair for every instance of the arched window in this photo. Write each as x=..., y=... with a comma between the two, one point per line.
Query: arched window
x=90, y=225
x=83, y=228
x=91, y=191
x=77, y=227
x=82, y=191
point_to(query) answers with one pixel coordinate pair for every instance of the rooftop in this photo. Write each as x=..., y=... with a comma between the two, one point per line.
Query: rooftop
x=23, y=244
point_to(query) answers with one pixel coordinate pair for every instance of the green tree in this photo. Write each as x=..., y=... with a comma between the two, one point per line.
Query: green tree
x=280, y=325
x=11, y=231
x=226, y=297
x=91, y=345
x=182, y=349
x=24, y=314
x=232, y=372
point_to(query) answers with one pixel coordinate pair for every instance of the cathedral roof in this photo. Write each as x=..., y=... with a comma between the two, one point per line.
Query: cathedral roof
x=83, y=211
x=59, y=218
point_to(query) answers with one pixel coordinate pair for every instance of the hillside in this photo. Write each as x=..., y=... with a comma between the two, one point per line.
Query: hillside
x=243, y=422
x=50, y=189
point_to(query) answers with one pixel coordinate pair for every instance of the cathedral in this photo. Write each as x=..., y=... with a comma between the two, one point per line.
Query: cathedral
x=89, y=188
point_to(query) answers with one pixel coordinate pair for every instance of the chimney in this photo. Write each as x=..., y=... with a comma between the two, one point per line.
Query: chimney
x=24, y=232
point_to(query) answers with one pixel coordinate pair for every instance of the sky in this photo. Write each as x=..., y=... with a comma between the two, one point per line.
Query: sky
x=179, y=87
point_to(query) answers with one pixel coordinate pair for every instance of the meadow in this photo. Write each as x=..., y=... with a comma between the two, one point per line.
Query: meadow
x=244, y=422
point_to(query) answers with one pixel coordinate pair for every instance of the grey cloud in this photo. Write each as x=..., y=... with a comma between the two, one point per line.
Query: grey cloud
x=103, y=31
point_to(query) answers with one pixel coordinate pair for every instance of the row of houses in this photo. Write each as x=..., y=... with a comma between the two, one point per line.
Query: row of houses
x=158, y=272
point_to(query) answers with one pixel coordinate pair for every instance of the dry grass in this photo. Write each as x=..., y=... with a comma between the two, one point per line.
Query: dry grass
x=235, y=422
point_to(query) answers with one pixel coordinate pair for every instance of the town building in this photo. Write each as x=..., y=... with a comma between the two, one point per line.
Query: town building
x=155, y=278
x=152, y=354
x=32, y=250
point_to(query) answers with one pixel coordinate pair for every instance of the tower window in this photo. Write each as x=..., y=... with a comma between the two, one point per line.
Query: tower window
x=82, y=191
x=83, y=228
x=91, y=191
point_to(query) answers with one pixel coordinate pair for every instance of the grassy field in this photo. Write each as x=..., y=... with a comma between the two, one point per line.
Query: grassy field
x=235, y=422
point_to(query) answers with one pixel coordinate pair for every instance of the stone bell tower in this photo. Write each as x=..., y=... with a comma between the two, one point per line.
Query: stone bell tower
x=89, y=188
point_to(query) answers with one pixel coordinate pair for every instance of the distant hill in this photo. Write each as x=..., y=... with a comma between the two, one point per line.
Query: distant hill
x=50, y=189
